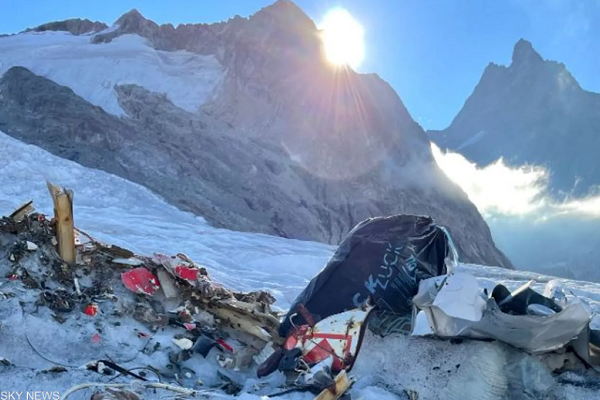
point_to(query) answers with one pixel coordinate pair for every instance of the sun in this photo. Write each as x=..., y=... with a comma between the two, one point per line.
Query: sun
x=343, y=38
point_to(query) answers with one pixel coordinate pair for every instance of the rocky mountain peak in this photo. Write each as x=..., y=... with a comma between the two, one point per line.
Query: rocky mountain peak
x=533, y=112
x=281, y=7
x=274, y=30
x=524, y=53
x=131, y=17
x=134, y=22
x=285, y=29
x=284, y=11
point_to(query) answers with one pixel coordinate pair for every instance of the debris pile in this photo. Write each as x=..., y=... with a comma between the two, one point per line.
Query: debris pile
x=116, y=310
x=162, y=293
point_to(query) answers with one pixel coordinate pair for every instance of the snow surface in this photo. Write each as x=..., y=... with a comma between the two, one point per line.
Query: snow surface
x=120, y=212
x=92, y=70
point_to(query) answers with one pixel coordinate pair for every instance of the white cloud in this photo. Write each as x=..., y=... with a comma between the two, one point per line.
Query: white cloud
x=537, y=232
x=499, y=190
x=589, y=206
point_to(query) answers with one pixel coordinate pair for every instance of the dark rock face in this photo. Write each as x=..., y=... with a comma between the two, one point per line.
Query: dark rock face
x=74, y=26
x=531, y=112
x=287, y=145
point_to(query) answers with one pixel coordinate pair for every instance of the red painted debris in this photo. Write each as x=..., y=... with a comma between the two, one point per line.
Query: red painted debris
x=91, y=310
x=324, y=350
x=140, y=280
x=96, y=338
x=294, y=336
x=225, y=345
x=187, y=273
x=41, y=218
x=190, y=327
x=13, y=277
x=308, y=317
x=142, y=334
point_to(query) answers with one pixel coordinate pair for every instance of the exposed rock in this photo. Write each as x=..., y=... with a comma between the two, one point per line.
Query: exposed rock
x=130, y=22
x=75, y=26
x=524, y=54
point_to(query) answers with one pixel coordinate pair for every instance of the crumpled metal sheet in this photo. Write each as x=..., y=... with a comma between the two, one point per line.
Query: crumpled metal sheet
x=338, y=336
x=587, y=346
x=456, y=305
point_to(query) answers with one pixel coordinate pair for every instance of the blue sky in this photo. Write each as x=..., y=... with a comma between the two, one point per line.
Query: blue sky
x=431, y=51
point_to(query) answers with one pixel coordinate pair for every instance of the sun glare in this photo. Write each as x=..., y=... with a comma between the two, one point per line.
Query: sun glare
x=343, y=38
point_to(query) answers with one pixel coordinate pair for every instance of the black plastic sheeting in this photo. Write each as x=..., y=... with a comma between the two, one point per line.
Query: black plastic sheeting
x=384, y=259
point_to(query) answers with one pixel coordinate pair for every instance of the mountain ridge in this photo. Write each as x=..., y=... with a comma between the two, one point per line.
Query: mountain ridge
x=286, y=144
x=75, y=26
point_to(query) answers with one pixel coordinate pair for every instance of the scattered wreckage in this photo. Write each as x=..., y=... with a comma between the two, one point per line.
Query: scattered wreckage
x=390, y=274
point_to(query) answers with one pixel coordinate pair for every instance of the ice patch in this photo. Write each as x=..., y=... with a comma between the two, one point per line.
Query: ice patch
x=93, y=70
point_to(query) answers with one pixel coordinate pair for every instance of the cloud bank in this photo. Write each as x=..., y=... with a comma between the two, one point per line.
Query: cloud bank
x=502, y=191
x=535, y=230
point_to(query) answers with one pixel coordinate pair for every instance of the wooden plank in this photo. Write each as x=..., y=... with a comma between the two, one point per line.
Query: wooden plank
x=342, y=384
x=19, y=214
x=63, y=216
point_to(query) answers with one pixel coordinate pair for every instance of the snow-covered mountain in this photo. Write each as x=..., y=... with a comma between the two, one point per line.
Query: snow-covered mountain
x=241, y=122
x=531, y=112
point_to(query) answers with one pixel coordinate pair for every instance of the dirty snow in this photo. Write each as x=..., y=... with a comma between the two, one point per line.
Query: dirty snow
x=120, y=212
x=92, y=70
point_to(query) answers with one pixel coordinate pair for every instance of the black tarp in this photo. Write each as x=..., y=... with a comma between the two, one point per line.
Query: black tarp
x=384, y=258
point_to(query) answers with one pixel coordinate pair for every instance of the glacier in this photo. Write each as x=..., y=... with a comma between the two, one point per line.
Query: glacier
x=120, y=212
x=93, y=70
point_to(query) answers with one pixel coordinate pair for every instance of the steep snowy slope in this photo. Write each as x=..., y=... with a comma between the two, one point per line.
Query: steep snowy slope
x=127, y=214
x=242, y=122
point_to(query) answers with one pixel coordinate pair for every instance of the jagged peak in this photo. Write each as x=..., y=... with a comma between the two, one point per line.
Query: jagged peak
x=492, y=66
x=524, y=52
x=282, y=7
x=284, y=10
x=129, y=16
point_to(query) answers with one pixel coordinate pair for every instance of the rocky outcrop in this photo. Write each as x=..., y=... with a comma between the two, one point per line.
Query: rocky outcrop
x=531, y=112
x=287, y=144
x=74, y=26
